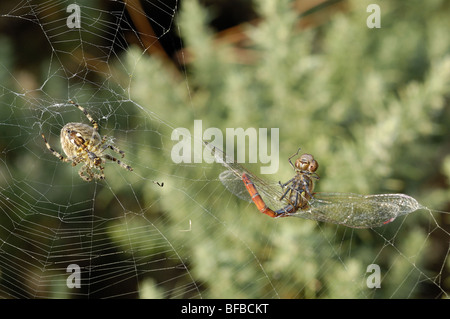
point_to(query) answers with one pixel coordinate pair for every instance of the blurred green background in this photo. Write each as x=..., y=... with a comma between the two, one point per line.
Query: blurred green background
x=372, y=105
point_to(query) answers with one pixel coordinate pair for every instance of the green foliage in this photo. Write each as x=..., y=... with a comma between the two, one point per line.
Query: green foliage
x=370, y=104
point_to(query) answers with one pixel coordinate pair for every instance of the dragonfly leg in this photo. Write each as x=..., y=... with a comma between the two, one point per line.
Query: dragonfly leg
x=287, y=183
x=285, y=193
x=286, y=211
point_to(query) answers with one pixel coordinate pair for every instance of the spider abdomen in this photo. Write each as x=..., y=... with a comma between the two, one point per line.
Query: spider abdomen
x=83, y=144
x=76, y=137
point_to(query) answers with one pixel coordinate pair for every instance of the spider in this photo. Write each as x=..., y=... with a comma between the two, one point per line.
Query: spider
x=83, y=144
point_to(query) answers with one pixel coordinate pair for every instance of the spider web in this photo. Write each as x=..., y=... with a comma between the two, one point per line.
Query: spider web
x=190, y=238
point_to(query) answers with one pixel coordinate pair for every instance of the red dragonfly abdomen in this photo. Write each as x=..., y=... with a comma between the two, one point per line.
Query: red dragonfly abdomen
x=259, y=202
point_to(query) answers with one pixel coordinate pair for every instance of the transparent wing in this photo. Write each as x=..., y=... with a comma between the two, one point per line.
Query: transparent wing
x=232, y=179
x=359, y=211
x=234, y=185
x=351, y=210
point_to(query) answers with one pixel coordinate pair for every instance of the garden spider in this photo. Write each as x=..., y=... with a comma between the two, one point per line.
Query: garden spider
x=83, y=144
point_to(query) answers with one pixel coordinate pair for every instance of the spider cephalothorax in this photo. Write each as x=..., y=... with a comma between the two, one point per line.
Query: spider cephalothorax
x=83, y=144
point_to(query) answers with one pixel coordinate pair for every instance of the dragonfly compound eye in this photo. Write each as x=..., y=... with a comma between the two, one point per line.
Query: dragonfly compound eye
x=306, y=162
x=313, y=166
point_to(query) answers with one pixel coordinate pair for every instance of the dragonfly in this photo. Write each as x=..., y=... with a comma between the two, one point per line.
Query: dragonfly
x=296, y=197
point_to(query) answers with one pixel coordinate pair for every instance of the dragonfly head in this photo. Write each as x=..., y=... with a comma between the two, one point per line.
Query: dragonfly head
x=306, y=163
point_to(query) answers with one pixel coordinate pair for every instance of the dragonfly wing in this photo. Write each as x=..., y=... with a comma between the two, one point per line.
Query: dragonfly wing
x=232, y=177
x=222, y=158
x=234, y=185
x=359, y=211
x=232, y=180
x=270, y=192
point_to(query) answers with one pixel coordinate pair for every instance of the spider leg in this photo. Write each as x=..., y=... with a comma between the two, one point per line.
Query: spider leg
x=94, y=158
x=112, y=147
x=125, y=166
x=117, y=150
x=89, y=117
x=122, y=164
x=99, y=176
x=55, y=153
x=87, y=174
x=76, y=160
